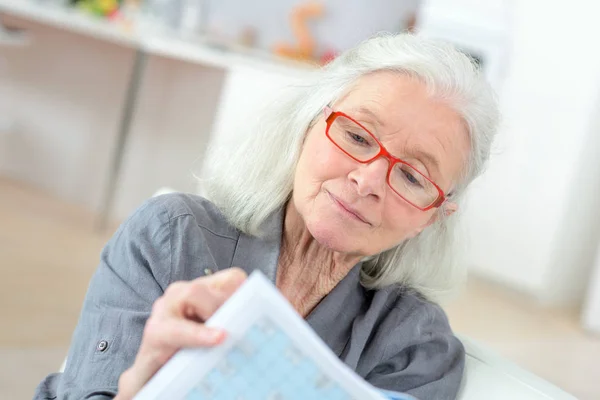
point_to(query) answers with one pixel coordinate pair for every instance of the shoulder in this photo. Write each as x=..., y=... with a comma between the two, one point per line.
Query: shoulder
x=174, y=237
x=414, y=313
x=408, y=304
x=167, y=208
x=410, y=319
x=419, y=353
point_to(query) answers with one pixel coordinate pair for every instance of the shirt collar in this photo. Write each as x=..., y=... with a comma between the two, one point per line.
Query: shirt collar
x=261, y=253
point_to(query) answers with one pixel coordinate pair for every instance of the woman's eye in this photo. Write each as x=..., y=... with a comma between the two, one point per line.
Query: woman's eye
x=358, y=138
x=410, y=177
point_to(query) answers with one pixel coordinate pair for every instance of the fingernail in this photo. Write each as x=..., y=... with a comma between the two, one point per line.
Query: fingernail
x=216, y=335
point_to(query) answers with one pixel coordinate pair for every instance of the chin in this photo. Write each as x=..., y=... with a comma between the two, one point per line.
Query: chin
x=332, y=237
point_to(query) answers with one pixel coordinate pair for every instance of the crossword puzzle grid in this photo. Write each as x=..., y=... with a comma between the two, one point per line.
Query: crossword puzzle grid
x=265, y=365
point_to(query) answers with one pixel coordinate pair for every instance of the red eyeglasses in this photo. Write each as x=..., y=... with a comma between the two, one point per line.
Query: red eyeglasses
x=358, y=143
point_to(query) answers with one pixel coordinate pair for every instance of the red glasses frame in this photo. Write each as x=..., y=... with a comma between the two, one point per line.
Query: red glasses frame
x=330, y=117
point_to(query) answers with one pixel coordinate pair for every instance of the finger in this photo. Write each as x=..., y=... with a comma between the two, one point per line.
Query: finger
x=228, y=280
x=202, y=301
x=194, y=300
x=200, y=298
x=176, y=333
x=206, y=296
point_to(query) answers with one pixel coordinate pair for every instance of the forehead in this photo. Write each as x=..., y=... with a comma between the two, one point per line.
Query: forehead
x=409, y=121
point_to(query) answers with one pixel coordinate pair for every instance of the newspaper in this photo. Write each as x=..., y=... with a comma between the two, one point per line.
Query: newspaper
x=270, y=353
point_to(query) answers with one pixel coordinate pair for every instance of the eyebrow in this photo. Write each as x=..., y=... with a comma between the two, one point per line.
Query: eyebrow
x=365, y=111
x=418, y=153
x=428, y=157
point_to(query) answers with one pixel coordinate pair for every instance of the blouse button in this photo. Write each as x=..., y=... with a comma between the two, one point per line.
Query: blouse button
x=208, y=271
x=102, y=346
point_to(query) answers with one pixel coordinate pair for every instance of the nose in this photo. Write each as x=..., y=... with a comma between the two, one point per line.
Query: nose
x=370, y=179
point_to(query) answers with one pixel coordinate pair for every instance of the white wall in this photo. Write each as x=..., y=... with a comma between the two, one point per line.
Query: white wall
x=532, y=216
x=591, y=311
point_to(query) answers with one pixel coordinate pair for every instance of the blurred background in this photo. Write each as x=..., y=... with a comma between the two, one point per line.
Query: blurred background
x=104, y=102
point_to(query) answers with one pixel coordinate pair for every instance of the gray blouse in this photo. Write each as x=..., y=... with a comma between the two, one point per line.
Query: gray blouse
x=391, y=337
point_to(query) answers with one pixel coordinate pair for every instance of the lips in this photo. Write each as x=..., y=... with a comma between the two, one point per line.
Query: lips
x=349, y=209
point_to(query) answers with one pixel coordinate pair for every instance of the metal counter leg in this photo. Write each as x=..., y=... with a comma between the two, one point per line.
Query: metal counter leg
x=129, y=106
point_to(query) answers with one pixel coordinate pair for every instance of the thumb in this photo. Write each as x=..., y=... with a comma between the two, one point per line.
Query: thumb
x=228, y=280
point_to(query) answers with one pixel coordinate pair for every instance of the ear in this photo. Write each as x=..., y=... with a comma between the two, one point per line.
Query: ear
x=448, y=208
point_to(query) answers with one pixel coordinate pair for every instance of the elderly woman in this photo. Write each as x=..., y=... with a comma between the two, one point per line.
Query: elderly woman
x=342, y=195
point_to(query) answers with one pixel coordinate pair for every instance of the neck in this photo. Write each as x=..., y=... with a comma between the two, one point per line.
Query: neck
x=308, y=271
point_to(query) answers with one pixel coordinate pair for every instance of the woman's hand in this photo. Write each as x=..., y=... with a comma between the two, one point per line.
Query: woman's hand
x=176, y=322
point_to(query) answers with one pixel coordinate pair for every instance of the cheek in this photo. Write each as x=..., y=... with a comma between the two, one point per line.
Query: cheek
x=402, y=221
x=318, y=163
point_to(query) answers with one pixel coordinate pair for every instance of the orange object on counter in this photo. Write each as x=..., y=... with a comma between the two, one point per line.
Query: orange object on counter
x=299, y=19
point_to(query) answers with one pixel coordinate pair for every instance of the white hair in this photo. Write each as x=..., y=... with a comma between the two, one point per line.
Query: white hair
x=260, y=180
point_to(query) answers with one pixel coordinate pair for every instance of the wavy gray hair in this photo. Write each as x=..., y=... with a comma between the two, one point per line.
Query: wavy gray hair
x=261, y=179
